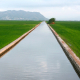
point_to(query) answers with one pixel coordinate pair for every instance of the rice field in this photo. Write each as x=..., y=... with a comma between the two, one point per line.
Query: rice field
x=11, y=30
x=69, y=31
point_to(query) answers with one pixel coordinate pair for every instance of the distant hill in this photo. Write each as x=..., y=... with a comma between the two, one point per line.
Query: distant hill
x=21, y=15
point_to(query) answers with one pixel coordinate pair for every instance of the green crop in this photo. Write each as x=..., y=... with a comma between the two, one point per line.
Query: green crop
x=11, y=30
x=69, y=31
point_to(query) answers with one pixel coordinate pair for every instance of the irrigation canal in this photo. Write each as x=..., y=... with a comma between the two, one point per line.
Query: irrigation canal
x=37, y=57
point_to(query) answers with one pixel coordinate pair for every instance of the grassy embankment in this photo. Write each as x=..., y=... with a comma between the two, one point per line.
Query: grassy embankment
x=11, y=30
x=69, y=31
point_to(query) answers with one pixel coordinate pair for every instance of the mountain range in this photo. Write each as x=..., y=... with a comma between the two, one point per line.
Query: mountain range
x=21, y=15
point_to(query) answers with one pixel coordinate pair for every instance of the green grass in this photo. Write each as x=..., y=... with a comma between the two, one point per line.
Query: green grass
x=69, y=31
x=11, y=30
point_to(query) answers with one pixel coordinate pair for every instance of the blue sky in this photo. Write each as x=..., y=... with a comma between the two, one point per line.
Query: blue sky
x=59, y=9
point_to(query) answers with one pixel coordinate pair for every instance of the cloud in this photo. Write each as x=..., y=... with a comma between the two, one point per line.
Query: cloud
x=38, y=3
x=60, y=9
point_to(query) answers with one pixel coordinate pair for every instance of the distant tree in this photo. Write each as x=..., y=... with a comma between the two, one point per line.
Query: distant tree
x=52, y=20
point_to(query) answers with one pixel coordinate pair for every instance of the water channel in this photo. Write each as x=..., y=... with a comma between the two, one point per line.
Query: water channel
x=37, y=57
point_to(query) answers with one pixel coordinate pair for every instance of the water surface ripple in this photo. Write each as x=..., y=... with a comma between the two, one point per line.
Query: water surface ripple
x=37, y=57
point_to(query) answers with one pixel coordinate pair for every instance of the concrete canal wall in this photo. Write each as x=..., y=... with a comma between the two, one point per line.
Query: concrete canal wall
x=70, y=54
x=12, y=44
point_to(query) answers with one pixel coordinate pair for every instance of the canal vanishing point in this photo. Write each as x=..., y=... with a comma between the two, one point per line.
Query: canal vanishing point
x=37, y=57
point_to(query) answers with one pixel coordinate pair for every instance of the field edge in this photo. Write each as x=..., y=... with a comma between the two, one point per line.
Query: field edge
x=12, y=44
x=75, y=61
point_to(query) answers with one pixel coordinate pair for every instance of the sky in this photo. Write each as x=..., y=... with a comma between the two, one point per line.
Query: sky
x=59, y=9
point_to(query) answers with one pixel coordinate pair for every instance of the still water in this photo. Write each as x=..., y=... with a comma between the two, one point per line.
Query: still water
x=37, y=57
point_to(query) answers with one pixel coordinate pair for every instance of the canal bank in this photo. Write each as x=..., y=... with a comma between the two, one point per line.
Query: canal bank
x=75, y=61
x=12, y=44
x=37, y=57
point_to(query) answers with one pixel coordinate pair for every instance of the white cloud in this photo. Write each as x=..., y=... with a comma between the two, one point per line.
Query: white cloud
x=60, y=9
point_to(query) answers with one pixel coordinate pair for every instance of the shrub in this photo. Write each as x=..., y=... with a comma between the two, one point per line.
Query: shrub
x=52, y=20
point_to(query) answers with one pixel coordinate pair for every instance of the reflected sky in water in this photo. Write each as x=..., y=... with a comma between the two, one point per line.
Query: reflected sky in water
x=37, y=57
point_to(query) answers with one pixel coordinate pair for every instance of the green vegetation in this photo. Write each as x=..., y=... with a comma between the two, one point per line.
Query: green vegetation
x=11, y=30
x=69, y=31
x=52, y=20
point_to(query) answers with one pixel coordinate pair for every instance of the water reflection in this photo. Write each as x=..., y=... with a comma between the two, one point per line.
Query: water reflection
x=44, y=66
x=37, y=57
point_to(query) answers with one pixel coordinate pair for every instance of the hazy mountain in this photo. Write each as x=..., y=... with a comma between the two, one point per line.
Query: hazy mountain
x=21, y=15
